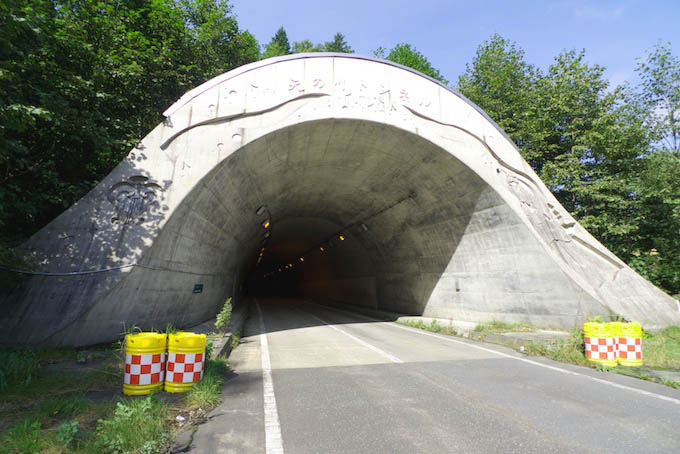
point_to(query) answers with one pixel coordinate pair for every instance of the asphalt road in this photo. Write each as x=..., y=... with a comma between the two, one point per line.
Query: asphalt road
x=322, y=380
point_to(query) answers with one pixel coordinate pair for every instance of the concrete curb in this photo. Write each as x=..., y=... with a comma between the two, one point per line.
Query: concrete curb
x=222, y=346
x=463, y=328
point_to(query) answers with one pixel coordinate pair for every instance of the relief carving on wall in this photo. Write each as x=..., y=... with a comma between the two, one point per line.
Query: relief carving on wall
x=557, y=230
x=134, y=200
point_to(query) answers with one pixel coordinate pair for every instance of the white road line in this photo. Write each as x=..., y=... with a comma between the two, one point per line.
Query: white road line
x=505, y=355
x=392, y=358
x=272, y=427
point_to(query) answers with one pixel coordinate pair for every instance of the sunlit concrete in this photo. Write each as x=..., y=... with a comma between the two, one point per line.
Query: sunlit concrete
x=441, y=216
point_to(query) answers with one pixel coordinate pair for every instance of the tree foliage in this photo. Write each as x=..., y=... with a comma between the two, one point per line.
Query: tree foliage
x=279, y=45
x=406, y=55
x=304, y=46
x=503, y=83
x=338, y=44
x=660, y=93
x=83, y=81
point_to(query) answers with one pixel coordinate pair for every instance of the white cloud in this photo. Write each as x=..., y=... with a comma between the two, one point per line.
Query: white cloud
x=600, y=10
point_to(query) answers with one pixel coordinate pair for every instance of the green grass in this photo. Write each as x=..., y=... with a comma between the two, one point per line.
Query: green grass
x=134, y=425
x=433, y=326
x=137, y=426
x=503, y=327
x=24, y=438
x=207, y=391
x=661, y=350
x=570, y=350
x=65, y=407
x=44, y=404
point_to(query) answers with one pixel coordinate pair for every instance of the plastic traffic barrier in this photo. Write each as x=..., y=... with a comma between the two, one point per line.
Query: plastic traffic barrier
x=144, y=363
x=600, y=343
x=186, y=359
x=629, y=344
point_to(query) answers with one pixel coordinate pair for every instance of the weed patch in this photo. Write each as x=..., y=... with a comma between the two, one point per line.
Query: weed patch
x=207, y=391
x=569, y=350
x=503, y=327
x=662, y=349
x=433, y=326
x=235, y=339
x=24, y=438
x=137, y=425
x=66, y=407
x=224, y=317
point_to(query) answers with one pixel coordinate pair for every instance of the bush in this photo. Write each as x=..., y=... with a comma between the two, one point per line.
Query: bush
x=17, y=367
x=224, y=317
x=68, y=432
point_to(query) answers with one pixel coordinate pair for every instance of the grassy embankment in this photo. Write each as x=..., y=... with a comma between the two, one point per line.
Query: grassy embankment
x=661, y=350
x=60, y=401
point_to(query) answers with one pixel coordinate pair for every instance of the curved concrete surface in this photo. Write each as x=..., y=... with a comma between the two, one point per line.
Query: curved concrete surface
x=439, y=213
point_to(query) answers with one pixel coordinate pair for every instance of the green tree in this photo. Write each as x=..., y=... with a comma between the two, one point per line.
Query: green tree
x=338, y=44
x=501, y=82
x=304, y=46
x=279, y=45
x=84, y=81
x=660, y=91
x=406, y=55
x=654, y=249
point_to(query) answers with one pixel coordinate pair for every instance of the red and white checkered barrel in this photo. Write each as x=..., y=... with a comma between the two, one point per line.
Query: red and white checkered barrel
x=185, y=367
x=629, y=340
x=600, y=343
x=144, y=363
x=186, y=361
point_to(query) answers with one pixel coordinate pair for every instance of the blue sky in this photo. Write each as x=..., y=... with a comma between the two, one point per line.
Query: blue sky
x=613, y=33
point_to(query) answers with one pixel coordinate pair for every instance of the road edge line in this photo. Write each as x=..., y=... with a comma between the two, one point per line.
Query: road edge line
x=377, y=350
x=272, y=425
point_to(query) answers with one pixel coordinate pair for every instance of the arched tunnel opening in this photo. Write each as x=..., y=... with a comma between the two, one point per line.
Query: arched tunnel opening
x=357, y=212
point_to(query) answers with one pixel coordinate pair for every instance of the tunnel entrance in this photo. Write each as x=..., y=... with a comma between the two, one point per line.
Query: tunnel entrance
x=356, y=212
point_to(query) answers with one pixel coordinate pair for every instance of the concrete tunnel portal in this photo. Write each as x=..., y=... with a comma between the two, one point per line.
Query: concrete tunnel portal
x=396, y=193
x=374, y=213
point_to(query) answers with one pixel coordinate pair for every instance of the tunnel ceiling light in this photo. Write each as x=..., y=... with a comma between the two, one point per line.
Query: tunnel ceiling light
x=342, y=238
x=266, y=235
x=363, y=227
x=321, y=248
x=266, y=223
x=302, y=259
x=261, y=210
